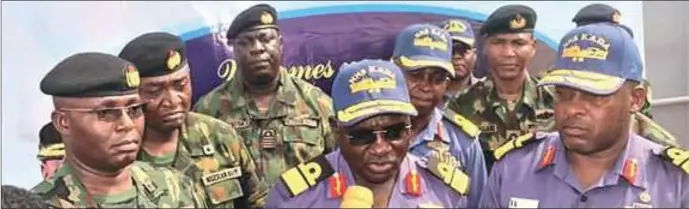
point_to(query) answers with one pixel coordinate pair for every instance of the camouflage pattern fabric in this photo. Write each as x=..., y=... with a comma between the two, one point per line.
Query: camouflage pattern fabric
x=649, y=129
x=212, y=154
x=294, y=130
x=646, y=109
x=155, y=187
x=498, y=124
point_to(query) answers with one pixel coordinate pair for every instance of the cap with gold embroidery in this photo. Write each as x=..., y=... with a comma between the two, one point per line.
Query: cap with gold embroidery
x=91, y=74
x=459, y=30
x=155, y=54
x=510, y=19
x=367, y=88
x=596, y=13
x=256, y=17
x=424, y=45
x=597, y=58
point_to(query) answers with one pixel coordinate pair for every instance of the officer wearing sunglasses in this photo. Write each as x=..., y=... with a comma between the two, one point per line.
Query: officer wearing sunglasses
x=424, y=53
x=372, y=125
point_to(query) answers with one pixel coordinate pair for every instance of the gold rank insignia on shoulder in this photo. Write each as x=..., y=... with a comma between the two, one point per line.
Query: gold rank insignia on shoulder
x=450, y=175
x=518, y=22
x=677, y=157
x=513, y=144
x=616, y=17
x=267, y=18
x=306, y=175
x=173, y=60
x=131, y=76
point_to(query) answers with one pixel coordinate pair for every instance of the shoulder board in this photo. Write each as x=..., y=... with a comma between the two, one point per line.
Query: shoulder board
x=465, y=124
x=677, y=156
x=514, y=144
x=306, y=175
x=452, y=176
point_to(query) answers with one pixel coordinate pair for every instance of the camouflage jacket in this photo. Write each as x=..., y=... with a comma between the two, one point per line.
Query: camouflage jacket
x=212, y=153
x=482, y=105
x=294, y=130
x=649, y=129
x=155, y=187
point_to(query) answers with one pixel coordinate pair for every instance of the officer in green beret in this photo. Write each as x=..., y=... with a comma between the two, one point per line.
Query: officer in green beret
x=99, y=115
x=206, y=149
x=283, y=120
x=507, y=104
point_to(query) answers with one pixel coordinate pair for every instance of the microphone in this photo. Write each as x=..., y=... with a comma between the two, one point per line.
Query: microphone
x=357, y=197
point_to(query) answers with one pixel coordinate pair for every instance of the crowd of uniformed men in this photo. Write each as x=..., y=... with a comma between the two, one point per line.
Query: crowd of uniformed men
x=418, y=130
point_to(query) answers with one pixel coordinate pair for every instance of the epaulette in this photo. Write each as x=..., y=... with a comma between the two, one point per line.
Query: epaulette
x=514, y=144
x=677, y=156
x=306, y=175
x=452, y=176
x=465, y=124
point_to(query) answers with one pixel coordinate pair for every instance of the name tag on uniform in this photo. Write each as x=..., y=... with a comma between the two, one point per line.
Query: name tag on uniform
x=522, y=203
x=222, y=175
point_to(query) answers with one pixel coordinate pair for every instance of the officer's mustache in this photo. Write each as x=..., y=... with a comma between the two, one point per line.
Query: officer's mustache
x=389, y=158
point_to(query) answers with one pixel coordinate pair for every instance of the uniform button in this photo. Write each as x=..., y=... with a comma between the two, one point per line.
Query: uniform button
x=583, y=198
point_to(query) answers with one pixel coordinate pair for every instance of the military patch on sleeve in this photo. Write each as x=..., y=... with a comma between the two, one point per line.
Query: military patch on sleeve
x=677, y=157
x=449, y=174
x=513, y=144
x=465, y=124
x=306, y=175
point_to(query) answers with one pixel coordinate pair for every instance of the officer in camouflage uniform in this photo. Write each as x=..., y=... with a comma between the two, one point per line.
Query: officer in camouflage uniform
x=508, y=103
x=206, y=149
x=99, y=114
x=283, y=120
x=642, y=121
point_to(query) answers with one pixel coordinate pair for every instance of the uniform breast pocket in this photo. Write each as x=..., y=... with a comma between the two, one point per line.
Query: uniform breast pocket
x=304, y=138
x=223, y=186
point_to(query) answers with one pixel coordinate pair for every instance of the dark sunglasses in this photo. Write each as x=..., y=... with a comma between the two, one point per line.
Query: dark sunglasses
x=390, y=133
x=460, y=48
x=112, y=114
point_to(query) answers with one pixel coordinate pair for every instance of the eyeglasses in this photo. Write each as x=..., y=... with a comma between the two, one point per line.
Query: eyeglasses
x=390, y=133
x=430, y=76
x=112, y=114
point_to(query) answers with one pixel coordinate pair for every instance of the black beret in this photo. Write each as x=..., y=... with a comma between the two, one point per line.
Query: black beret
x=510, y=19
x=155, y=54
x=597, y=13
x=49, y=135
x=91, y=74
x=256, y=17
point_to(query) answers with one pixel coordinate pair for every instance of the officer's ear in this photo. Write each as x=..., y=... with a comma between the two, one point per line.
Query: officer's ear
x=638, y=94
x=59, y=120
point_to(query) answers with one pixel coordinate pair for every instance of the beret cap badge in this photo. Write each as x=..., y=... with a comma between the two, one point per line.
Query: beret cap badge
x=517, y=22
x=267, y=18
x=173, y=60
x=131, y=76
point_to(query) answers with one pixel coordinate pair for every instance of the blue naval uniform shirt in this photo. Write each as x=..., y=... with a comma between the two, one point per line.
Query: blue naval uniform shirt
x=466, y=149
x=433, y=191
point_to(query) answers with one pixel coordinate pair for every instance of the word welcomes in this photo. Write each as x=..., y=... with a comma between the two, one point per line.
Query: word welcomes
x=228, y=68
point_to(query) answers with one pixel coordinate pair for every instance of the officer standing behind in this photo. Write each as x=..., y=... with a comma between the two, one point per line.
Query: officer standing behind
x=51, y=150
x=99, y=115
x=463, y=57
x=423, y=52
x=642, y=123
x=593, y=160
x=508, y=104
x=206, y=149
x=283, y=120
x=372, y=127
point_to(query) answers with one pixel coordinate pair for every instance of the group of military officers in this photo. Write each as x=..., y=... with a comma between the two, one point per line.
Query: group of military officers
x=403, y=129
